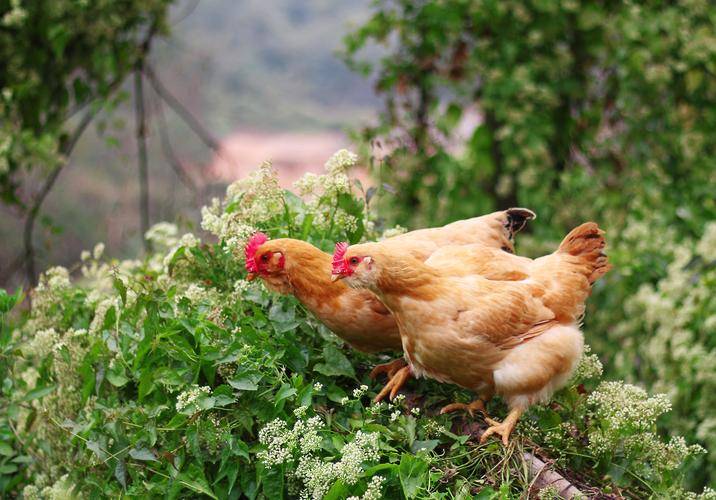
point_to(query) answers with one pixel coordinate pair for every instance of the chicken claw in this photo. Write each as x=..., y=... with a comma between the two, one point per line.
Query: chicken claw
x=394, y=384
x=503, y=429
x=477, y=405
x=388, y=368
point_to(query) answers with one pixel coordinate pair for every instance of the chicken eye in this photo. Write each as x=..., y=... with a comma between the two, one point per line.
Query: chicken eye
x=354, y=261
x=265, y=257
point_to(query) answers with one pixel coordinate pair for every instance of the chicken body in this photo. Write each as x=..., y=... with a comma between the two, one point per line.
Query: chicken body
x=518, y=338
x=358, y=316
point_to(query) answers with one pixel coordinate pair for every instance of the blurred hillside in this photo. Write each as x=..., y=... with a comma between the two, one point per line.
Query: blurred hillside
x=261, y=76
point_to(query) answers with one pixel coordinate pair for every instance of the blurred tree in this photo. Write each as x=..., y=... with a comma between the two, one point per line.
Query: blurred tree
x=582, y=106
x=56, y=58
x=583, y=110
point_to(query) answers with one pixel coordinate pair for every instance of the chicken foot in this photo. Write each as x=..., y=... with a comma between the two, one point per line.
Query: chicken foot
x=471, y=408
x=395, y=383
x=503, y=428
x=388, y=368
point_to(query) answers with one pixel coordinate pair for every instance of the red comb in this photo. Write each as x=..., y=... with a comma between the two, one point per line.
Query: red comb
x=254, y=243
x=338, y=264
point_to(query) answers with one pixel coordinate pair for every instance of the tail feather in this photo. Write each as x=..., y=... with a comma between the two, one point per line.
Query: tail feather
x=587, y=242
x=517, y=219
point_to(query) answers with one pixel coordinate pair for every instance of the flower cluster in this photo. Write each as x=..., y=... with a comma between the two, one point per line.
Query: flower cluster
x=589, y=366
x=374, y=490
x=627, y=419
x=188, y=401
x=249, y=202
x=301, y=444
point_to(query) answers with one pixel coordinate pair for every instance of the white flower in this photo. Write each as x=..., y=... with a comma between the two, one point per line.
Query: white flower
x=340, y=162
x=344, y=401
x=189, y=398
x=415, y=411
x=318, y=387
x=98, y=251
x=395, y=415
x=358, y=393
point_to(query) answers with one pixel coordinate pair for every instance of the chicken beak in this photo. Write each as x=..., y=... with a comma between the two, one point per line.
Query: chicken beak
x=336, y=277
x=250, y=276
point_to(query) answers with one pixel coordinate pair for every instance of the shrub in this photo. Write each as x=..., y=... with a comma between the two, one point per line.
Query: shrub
x=173, y=375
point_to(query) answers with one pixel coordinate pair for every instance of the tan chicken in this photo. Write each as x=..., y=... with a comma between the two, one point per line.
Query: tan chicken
x=295, y=267
x=518, y=338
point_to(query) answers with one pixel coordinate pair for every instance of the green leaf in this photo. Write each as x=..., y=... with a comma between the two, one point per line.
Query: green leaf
x=38, y=393
x=286, y=391
x=413, y=472
x=143, y=454
x=428, y=445
x=336, y=363
x=6, y=449
x=338, y=491
x=121, y=289
x=245, y=382
x=195, y=480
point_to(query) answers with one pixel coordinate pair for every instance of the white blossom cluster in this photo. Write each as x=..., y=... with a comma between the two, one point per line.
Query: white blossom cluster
x=189, y=399
x=589, y=366
x=197, y=294
x=62, y=489
x=628, y=419
x=250, y=201
x=676, y=317
x=301, y=444
x=42, y=344
x=320, y=192
x=374, y=490
x=623, y=406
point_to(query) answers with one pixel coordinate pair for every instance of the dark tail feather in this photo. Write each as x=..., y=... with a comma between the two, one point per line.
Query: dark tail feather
x=517, y=219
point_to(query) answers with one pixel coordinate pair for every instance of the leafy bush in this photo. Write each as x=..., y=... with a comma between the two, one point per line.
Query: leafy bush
x=175, y=376
x=580, y=111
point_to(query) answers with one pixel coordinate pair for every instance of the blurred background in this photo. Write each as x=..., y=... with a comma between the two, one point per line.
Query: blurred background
x=118, y=116
x=263, y=80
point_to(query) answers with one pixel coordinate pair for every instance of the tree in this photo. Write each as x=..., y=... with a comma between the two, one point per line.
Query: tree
x=58, y=60
x=604, y=103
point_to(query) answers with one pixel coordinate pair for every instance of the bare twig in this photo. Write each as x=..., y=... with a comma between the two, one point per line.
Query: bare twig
x=171, y=157
x=65, y=151
x=184, y=113
x=34, y=210
x=141, y=134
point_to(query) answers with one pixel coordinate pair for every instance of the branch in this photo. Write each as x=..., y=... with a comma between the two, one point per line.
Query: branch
x=183, y=113
x=543, y=476
x=34, y=210
x=141, y=134
x=171, y=157
x=66, y=151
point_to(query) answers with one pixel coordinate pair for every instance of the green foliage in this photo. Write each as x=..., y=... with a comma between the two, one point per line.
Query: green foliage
x=174, y=375
x=57, y=56
x=580, y=111
x=602, y=103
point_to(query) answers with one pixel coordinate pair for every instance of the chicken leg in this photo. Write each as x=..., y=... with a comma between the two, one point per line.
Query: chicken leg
x=394, y=384
x=503, y=428
x=479, y=404
x=388, y=368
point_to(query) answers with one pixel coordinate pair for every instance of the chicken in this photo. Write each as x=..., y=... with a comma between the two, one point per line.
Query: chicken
x=290, y=266
x=518, y=338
